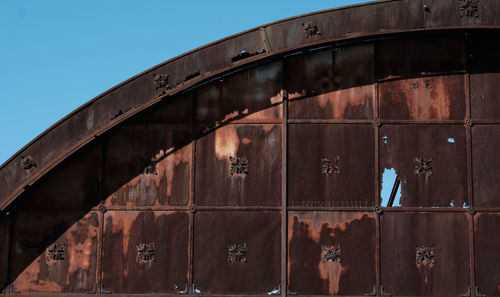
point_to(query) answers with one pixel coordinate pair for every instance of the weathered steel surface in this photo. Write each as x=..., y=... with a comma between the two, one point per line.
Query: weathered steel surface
x=486, y=162
x=189, y=163
x=344, y=23
x=405, y=58
x=313, y=78
x=331, y=253
x=331, y=165
x=486, y=253
x=145, y=252
x=45, y=261
x=4, y=250
x=148, y=165
x=239, y=164
x=484, y=89
x=425, y=254
x=237, y=252
x=73, y=185
x=430, y=161
x=425, y=98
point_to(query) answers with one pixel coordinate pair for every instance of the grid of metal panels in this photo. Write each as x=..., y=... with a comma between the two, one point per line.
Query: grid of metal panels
x=280, y=196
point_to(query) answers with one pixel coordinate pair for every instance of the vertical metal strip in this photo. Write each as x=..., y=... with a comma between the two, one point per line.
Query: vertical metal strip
x=377, y=191
x=100, y=236
x=470, y=200
x=192, y=208
x=284, y=187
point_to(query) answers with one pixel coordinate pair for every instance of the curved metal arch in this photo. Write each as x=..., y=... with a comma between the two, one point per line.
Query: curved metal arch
x=346, y=24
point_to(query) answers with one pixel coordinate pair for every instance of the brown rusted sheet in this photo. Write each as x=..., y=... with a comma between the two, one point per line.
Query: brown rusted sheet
x=484, y=90
x=237, y=252
x=331, y=165
x=353, y=65
x=486, y=253
x=43, y=260
x=73, y=185
x=309, y=74
x=331, y=253
x=352, y=103
x=444, y=13
x=341, y=23
x=430, y=161
x=253, y=90
x=425, y=254
x=239, y=164
x=145, y=251
x=414, y=57
x=249, y=96
x=485, y=165
x=483, y=47
x=148, y=165
x=175, y=109
x=4, y=249
x=425, y=98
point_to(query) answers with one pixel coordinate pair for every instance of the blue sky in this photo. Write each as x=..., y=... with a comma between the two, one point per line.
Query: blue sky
x=56, y=55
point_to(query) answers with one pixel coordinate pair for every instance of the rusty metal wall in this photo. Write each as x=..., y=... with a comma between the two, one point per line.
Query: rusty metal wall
x=266, y=181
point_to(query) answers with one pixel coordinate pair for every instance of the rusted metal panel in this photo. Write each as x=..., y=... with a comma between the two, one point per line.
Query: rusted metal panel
x=486, y=246
x=444, y=13
x=331, y=253
x=145, y=252
x=425, y=98
x=73, y=185
x=54, y=252
x=406, y=58
x=4, y=249
x=309, y=74
x=425, y=254
x=175, y=109
x=429, y=160
x=318, y=74
x=148, y=165
x=237, y=252
x=239, y=164
x=342, y=23
x=482, y=48
x=353, y=65
x=331, y=165
x=486, y=161
x=252, y=91
x=352, y=103
x=484, y=90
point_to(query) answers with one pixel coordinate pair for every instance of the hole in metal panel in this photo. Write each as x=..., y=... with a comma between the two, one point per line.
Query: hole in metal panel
x=390, y=191
x=451, y=140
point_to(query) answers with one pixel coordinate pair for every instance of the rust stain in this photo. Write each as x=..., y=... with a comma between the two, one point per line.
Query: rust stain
x=226, y=142
x=271, y=114
x=79, y=253
x=246, y=140
x=296, y=94
x=427, y=98
x=341, y=99
x=315, y=223
x=123, y=223
x=230, y=116
x=277, y=98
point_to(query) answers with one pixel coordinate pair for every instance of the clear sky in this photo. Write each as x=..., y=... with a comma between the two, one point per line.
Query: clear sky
x=56, y=55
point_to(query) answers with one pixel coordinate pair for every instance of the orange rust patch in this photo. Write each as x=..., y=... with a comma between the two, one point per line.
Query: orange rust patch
x=341, y=99
x=226, y=142
x=277, y=98
x=297, y=94
x=272, y=114
x=246, y=140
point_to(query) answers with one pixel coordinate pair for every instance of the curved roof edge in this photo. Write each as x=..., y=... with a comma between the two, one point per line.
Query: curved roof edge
x=206, y=62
